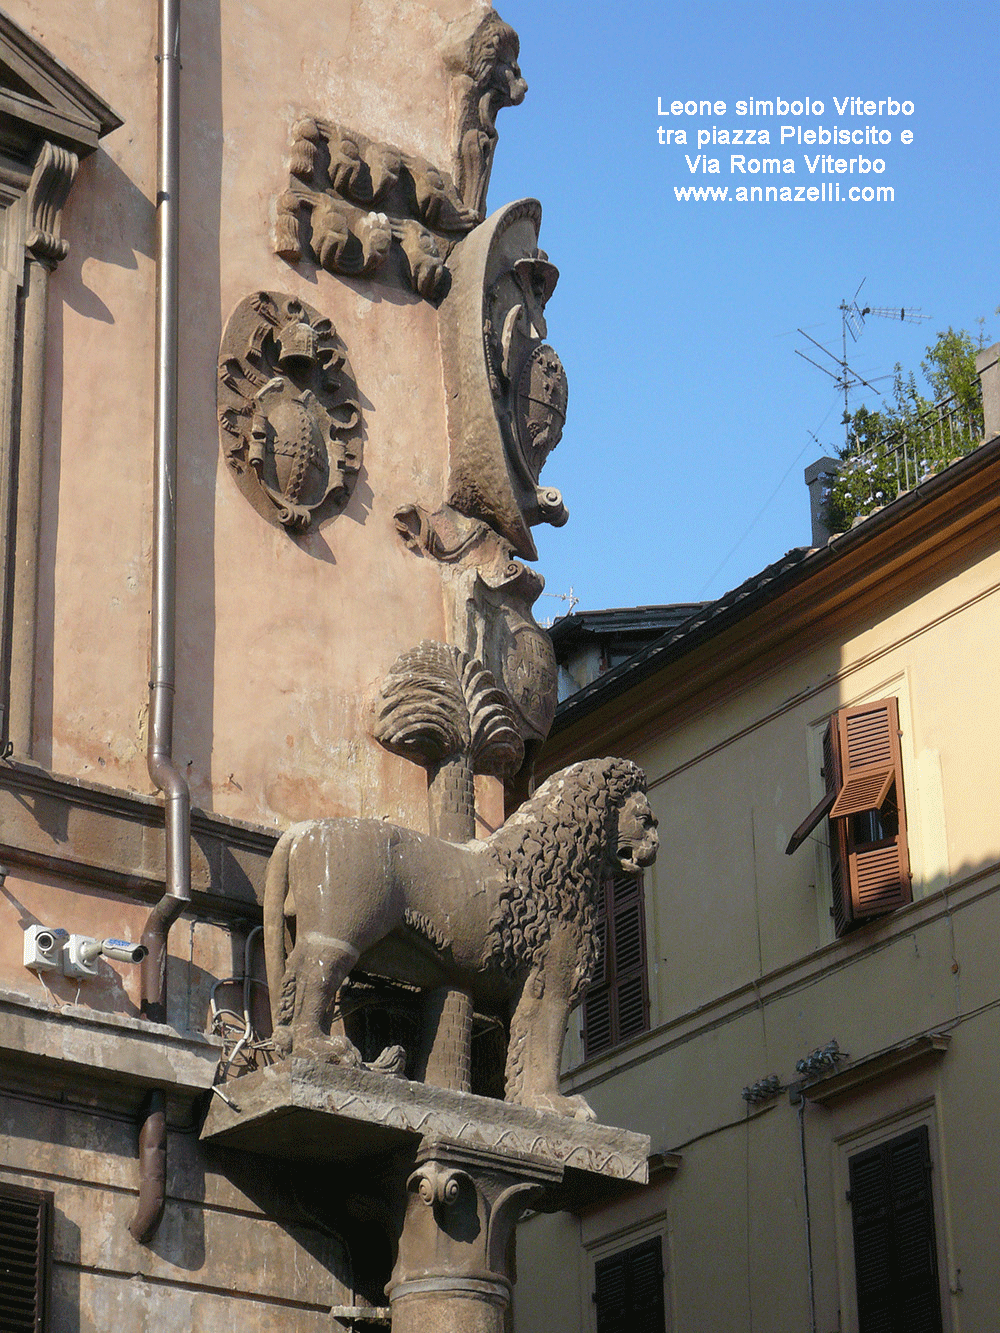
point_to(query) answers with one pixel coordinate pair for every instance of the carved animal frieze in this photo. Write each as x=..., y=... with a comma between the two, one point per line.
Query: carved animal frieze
x=358, y=207
x=289, y=410
x=487, y=78
x=509, y=922
x=507, y=390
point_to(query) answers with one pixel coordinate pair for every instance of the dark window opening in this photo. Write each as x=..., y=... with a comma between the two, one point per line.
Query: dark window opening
x=877, y=825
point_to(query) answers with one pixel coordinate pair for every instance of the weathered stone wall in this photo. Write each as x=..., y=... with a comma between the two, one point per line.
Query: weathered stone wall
x=236, y=1248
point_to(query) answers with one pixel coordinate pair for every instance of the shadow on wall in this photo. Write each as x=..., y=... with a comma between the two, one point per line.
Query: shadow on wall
x=200, y=322
x=108, y=219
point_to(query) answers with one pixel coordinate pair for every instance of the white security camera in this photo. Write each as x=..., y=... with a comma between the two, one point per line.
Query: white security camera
x=43, y=948
x=81, y=954
x=124, y=951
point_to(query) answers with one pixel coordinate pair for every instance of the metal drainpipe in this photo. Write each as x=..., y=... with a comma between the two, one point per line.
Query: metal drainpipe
x=159, y=754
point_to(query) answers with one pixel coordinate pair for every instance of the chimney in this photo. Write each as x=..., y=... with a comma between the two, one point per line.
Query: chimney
x=818, y=478
x=988, y=370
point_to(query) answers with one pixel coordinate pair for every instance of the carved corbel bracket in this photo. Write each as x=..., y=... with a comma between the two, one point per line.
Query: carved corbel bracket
x=53, y=175
x=491, y=594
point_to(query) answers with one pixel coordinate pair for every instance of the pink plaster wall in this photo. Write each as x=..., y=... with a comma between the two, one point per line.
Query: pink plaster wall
x=280, y=641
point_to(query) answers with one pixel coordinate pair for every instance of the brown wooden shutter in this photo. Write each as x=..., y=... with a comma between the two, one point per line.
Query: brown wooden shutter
x=869, y=746
x=25, y=1257
x=616, y=1006
x=895, y=1252
x=863, y=775
x=879, y=870
x=810, y=822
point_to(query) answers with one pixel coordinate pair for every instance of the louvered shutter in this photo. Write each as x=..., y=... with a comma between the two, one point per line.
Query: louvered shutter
x=629, y=1290
x=879, y=872
x=611, y=1294
x=863, y=774
x=647, y=1288
x=895, y=1253
x=631, y=1001
x=25, y=1248
x=616, y=1006
x=867, y=755
x=597, y=1022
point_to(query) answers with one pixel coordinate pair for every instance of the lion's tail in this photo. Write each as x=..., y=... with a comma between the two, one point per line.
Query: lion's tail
x=275, y=895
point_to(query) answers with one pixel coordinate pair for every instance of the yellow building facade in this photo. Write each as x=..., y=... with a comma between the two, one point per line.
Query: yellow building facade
x=819, y=1094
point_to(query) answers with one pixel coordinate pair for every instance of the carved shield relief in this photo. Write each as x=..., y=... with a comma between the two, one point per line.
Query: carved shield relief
x=506, y=387
x=288, y=409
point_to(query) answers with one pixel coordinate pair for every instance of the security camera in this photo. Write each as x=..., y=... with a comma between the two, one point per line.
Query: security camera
x=81, y=954
x=124, y=951
x=43, y=948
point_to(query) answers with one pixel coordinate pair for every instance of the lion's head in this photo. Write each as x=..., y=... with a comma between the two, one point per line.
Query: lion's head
x=583, y=822
x=494, y=67
x=638, y=841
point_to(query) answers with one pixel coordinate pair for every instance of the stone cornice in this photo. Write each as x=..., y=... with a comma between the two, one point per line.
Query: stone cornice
x=110, y=1058
x=114, y=839
x=861, y=1074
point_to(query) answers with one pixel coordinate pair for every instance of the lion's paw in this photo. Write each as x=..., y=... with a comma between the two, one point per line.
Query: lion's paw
x=392, y=1061
x=575, y=1106
x=329, y=1051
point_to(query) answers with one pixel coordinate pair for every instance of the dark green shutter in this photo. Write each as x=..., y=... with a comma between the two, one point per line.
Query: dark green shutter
x=895, y=1255
x=842, y=916
x=629, y=1290
x=616, y=1006
x=25, y=1247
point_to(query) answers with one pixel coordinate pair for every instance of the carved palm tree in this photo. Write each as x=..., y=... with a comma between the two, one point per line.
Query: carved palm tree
x=442, y=709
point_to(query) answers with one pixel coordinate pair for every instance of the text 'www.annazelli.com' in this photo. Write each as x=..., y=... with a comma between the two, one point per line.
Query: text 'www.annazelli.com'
x=827, y=193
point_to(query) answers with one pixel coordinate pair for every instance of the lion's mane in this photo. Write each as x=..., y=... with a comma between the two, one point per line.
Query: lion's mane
x=551, y=852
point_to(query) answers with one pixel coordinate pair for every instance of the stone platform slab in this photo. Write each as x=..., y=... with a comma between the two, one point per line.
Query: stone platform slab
x=298, y=1109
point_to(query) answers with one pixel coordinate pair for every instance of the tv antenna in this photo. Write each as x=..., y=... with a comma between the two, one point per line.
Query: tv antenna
x=570, y=597
x=852, y=321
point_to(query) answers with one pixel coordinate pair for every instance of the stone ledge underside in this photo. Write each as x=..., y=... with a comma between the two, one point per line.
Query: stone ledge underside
x=296, y=1109
x=108, y=1057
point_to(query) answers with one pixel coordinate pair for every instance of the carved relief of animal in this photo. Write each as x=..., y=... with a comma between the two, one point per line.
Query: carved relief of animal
x=510, y=921
x=492, y=80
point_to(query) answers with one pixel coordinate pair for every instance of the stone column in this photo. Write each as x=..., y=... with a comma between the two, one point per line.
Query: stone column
x=462, y=1203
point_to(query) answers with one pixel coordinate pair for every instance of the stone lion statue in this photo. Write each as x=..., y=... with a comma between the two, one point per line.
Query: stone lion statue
x=509, y=922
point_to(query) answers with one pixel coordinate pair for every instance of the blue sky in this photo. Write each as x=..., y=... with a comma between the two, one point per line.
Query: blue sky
x=689, y=413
